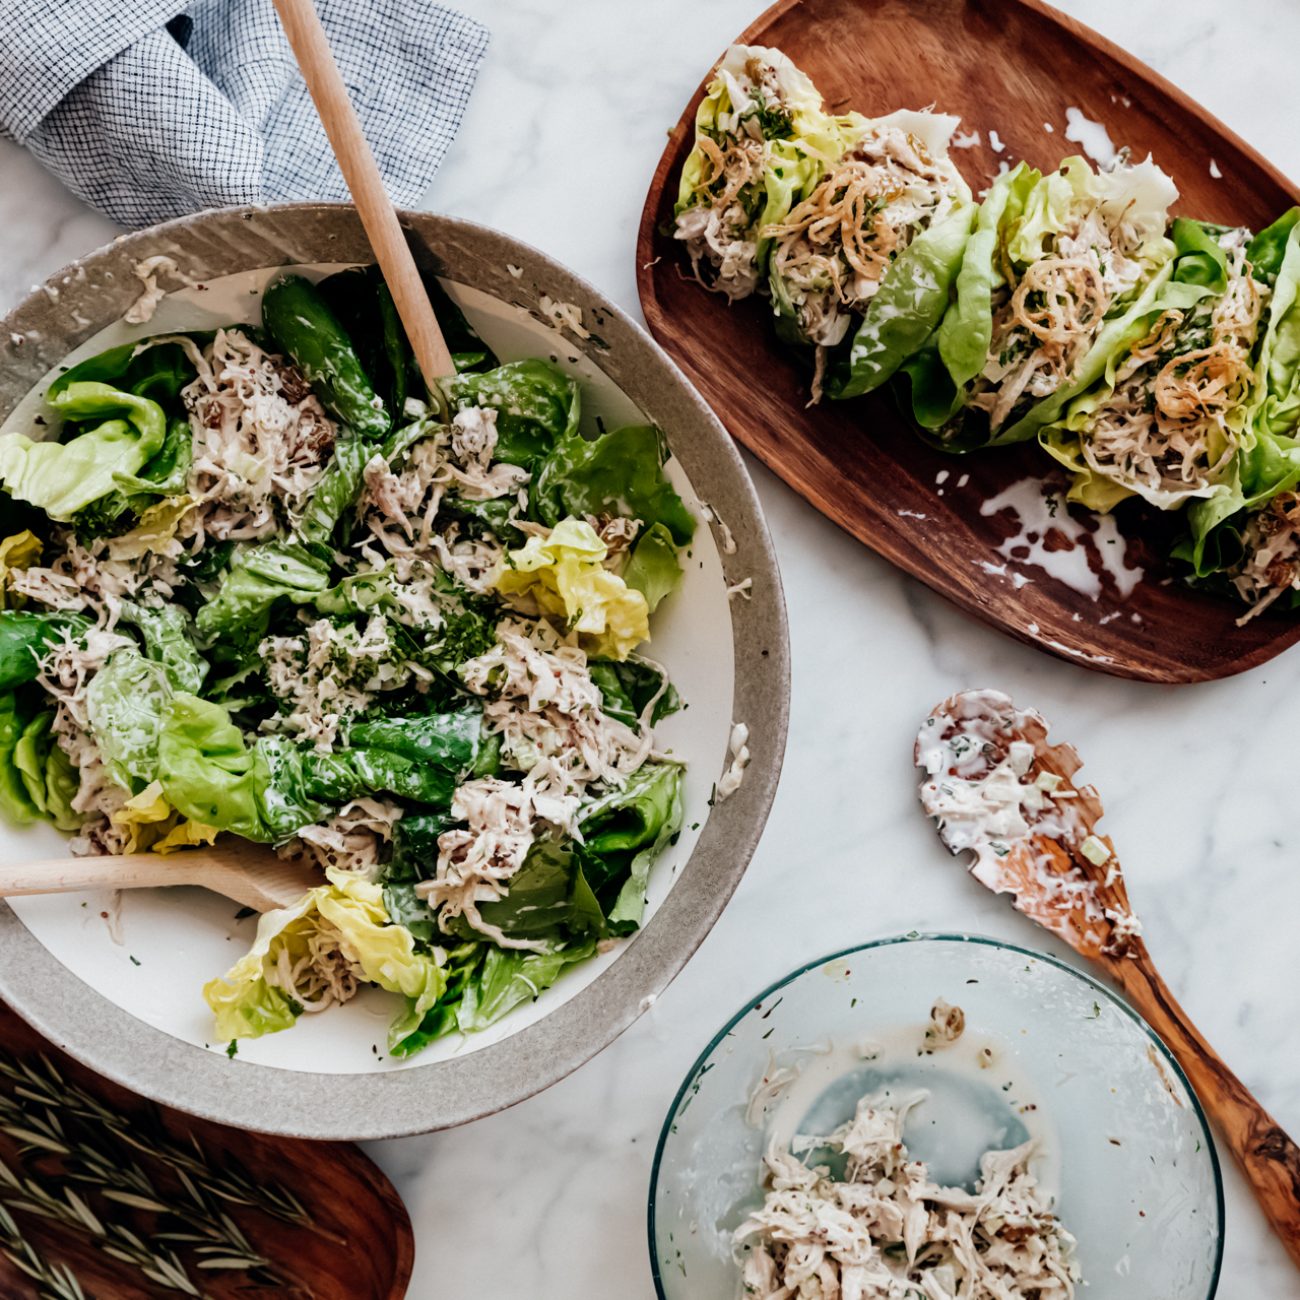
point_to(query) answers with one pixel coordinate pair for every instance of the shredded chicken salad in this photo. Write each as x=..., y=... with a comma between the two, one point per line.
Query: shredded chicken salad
x=882, y=1229
x=260, y=583
x=1155, y=358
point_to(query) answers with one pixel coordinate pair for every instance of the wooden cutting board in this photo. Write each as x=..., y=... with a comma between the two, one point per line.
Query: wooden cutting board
x=328, y=1224
x=1013, y=67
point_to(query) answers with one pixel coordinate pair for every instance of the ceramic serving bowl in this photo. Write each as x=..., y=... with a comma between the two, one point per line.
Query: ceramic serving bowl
x=1047, y=1054
x=116, y=981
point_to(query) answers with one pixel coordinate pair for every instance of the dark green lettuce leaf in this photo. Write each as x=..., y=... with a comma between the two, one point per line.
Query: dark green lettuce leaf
x=627, y=686
x=25, y=635
x=258, y=578
x=536, y=403
x=624, y=833
x=507, y=979
x=549, y=900
x=618, y=473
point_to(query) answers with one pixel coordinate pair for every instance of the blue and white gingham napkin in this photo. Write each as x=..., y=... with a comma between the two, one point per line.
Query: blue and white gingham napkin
x=149, y=109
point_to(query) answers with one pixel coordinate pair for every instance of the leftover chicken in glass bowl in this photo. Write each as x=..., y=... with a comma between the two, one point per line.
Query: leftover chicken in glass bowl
x=934, y=1116
x=503, y=658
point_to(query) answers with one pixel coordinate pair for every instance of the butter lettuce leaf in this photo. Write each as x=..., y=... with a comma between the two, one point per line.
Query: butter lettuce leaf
x=536, y=403
x=653, y=568
x=349, y=913
x=63, y=478
x=619, y=473
x=565, y=574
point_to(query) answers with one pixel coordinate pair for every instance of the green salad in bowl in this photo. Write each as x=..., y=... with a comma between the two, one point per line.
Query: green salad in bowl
x=258, y=580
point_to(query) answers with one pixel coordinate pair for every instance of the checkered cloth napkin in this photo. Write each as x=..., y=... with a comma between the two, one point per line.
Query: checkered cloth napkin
x=149, y=109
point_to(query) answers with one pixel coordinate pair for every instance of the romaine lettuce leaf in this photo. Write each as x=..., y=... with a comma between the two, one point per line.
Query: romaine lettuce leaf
x=565, y=574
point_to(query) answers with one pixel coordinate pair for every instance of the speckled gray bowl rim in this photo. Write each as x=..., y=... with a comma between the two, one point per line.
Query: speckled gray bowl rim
x=701, y=1063
x=44, y=328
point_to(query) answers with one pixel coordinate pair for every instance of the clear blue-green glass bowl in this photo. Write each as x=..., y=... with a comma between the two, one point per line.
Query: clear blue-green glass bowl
x=1126, y=1147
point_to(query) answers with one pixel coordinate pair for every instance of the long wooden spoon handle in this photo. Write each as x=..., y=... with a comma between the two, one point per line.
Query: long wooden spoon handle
x=1267, y=1155
x=68, y=875
x=311, y=49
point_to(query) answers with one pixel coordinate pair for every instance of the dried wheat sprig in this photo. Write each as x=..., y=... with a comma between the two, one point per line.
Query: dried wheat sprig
x=198, y=1173
x=159, y=1264
x=53, y=1281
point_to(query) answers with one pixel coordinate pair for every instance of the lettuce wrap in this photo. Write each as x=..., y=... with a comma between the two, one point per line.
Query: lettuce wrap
x=876, y=244
x=762, y=141
x=1247, y=537
x=1172, y=411
x=1055, y=267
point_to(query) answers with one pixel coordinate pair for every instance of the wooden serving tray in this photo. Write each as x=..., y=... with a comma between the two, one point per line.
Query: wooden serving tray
x=1013, y=66
x=348, y=1237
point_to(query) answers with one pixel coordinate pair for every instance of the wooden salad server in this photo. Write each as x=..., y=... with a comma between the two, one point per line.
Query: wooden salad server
x=315, y=60
x=250, y=874
x=1002, y=793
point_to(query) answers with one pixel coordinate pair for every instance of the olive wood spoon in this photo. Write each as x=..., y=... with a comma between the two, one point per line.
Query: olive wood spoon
x=1060, y=873
x=315, y=60
x=250, y=874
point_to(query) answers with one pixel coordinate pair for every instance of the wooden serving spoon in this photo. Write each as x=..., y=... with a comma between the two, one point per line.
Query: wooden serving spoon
x=1001, y=792
x=311, y=49
x=251, y=874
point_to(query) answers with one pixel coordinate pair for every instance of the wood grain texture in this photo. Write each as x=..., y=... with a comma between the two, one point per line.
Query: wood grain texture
x=329, y=93
x=359, y=1245
x=1264, y=1152
x=250, y=874
x=1010, y=65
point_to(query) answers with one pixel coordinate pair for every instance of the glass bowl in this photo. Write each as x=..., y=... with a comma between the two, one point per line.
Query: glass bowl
x=1047, y=1052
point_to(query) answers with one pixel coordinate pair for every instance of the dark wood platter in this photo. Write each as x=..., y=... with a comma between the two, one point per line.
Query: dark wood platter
x=321, y=1218
x=1013, y=66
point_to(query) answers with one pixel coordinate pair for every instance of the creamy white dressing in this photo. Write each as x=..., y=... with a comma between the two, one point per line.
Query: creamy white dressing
x=1056, y=541
x=738, y=752
x=991, y=797
x=1092, y=137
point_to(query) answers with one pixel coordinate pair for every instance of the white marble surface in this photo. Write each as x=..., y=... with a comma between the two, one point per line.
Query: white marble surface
x=548, y=1200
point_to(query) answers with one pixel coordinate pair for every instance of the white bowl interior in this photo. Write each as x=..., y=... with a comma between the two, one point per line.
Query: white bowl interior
x=151, y=951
